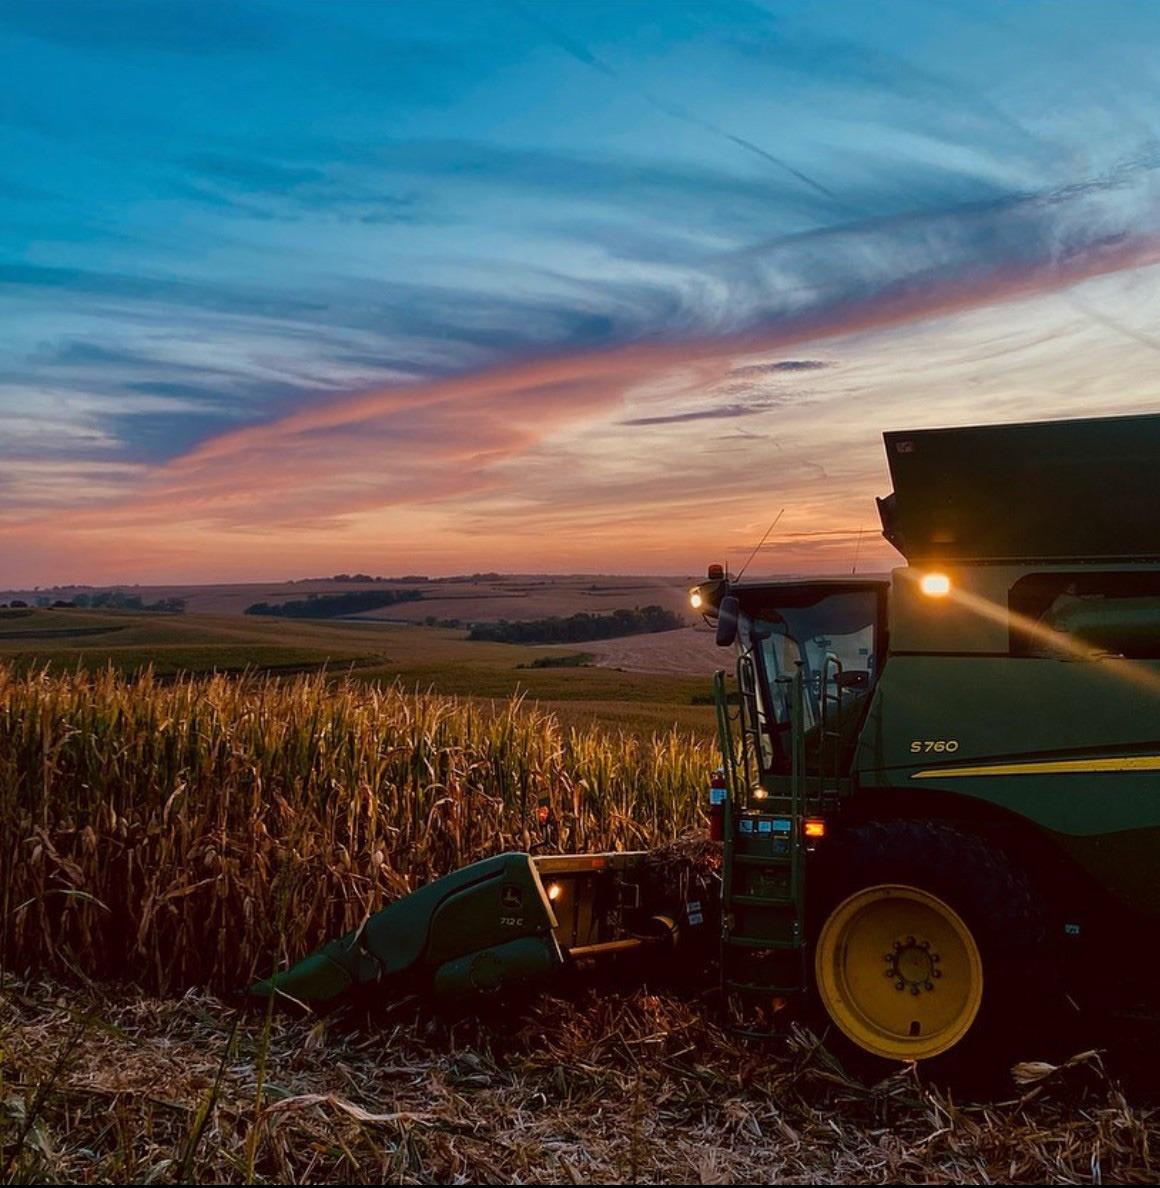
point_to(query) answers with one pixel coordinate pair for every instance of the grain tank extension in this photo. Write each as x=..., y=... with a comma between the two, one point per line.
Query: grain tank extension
x=940, y=790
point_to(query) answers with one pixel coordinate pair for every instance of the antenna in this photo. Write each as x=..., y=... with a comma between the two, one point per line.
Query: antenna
x=857, y=549
x=760, y=543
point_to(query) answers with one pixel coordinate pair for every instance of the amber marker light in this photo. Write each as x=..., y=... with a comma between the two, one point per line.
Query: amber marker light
x=554, y=891
x=935, y=585
x=815, y=829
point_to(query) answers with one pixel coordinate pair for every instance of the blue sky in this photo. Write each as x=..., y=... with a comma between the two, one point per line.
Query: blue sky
x=293, y=285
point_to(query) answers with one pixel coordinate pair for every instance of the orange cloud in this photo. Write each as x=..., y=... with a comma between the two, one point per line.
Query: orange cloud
x=370, y=471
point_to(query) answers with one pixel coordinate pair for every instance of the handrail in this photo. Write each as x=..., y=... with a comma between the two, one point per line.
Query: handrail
x=797, y=801
x=749, y=715
x=725, y=736
x=729, y=763
x=824, y=733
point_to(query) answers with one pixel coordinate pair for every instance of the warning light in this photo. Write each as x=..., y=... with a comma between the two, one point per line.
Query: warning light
x=815, y=828
x=935, y=585
x=716, y=573
x=543, y=814
x=554, y=891
x=696, y=600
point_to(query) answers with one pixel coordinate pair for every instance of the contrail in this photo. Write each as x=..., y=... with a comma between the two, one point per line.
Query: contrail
x=582, y=54
x=1111, y=323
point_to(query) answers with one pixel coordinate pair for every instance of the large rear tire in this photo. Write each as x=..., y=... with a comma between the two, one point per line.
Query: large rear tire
x=930, y=945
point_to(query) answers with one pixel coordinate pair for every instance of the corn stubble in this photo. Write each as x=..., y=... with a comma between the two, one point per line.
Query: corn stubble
x=196, y=832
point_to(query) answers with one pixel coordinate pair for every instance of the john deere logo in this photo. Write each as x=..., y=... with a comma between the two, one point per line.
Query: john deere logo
x=511, y=896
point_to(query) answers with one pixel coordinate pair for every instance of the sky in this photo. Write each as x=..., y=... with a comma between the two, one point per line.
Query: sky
x=291, y=288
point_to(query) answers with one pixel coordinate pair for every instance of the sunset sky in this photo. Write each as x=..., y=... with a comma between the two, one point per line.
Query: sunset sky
x=291, y=287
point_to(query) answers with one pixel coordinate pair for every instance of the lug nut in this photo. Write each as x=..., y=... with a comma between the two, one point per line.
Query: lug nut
x=936, y=973
x=899, y=985
x=914, y=991
x=897, y=945
x=928, y=985
x=924, y=944
x=910, y=942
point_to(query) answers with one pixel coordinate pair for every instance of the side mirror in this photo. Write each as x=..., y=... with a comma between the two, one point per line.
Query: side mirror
x=727, y=616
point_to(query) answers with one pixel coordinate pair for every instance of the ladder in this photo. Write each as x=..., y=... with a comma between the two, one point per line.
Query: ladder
x=763, y=884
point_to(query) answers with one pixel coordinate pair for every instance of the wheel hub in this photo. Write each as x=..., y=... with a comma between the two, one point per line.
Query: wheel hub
x=899, y=971
x=912, y=965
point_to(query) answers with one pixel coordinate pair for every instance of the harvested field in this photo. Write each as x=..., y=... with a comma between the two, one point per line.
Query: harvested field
x=691, y=650
x=113, y=1087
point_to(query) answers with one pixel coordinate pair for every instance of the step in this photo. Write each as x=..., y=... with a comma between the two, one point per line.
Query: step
x=763, y=987
x=763, y=859
x=764, y=900
x=754, y=942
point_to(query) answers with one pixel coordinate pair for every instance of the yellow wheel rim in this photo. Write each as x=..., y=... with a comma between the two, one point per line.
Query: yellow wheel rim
x=899, y=972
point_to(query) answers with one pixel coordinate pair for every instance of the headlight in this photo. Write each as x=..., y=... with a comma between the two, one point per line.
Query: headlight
x=935, y=585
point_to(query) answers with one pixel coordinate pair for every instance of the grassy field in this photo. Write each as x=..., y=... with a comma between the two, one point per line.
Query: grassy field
x=418, y=657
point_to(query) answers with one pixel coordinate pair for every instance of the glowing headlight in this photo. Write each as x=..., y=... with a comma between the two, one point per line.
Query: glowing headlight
x=696, y=600
x=935, y=585
x=554, y=891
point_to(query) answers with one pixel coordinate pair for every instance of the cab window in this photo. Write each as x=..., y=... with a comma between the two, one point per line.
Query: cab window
x=833, y=637
x=1101, y=611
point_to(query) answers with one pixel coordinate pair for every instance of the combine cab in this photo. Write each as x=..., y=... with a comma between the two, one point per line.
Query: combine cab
x=940, y=790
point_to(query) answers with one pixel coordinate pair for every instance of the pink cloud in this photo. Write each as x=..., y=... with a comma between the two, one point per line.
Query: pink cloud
x=304, y=485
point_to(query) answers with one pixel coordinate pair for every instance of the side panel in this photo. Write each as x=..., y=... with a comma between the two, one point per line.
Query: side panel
x=1071, y=746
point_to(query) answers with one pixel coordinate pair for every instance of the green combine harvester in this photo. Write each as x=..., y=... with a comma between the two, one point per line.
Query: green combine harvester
x=939, y=800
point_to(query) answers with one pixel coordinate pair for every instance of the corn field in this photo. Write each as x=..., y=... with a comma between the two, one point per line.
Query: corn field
x=199, y=831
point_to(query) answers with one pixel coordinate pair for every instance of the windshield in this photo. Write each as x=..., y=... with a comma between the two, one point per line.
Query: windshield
x=832, y=637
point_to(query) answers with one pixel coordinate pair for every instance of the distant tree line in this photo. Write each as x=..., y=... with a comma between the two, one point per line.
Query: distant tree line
x=580, y=627
x=569, y=660
x=334, y=606
x=362, y=577
x=119, y=600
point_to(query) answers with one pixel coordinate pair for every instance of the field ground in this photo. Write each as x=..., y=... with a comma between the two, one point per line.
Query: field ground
x=418, y=656
x=108, y=1086
x=506, y=596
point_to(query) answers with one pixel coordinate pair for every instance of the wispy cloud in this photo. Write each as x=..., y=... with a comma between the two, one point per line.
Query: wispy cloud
x=724, y=412
x=435, y=440
x=400, y=285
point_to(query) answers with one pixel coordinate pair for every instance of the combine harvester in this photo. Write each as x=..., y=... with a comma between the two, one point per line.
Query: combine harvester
x=939, y=799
